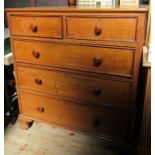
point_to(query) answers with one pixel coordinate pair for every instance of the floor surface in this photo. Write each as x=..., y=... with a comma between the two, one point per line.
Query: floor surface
x=43, y=139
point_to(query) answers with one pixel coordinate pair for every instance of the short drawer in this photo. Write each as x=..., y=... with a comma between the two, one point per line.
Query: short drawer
x=75, y=116
x=114, y=61
x=102, y=28
x=39, y=26
x=77, y=87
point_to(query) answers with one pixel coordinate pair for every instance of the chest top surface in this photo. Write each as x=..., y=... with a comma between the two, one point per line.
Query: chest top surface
x=82, y=9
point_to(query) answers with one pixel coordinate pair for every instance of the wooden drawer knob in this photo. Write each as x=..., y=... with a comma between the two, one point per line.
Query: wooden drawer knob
x=97, y=91
x=96, y=122
x=36, y=54
x=38, y=81
x=71, y=2
x=97, y=61
x=34, y=28
x=98, y=30
x=40, y=109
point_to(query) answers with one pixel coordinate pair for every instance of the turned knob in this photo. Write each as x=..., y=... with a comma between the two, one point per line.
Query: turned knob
x=36, y=54
x=97, y=91
x=38, y=81
x=34, y=28
x=40, y=109
x=71, y=2
x=98, y=30
x=96, y=122
x=97, y=61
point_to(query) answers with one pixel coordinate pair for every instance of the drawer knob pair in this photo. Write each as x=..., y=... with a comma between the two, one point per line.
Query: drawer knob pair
x=40, y=109
x=98, y=30
x=36, y=54
x=34, y=28
x=97, y=61
x=38, y=81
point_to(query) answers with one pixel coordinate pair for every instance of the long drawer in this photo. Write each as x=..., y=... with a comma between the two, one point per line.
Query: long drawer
x=37, y=26
x=114, y=61
x=79, y=117
x=102, y=28
x=73, y=86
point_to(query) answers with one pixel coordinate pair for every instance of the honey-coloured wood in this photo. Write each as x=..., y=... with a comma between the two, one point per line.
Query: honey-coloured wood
x=39, y=26
x=75, y=116
x=25, y=123
x=86, y=58
x=79, y=67
x=100, y=28
x=118, y=9
x=77, y=87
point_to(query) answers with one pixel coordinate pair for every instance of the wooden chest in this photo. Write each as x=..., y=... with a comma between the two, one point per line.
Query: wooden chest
x=78, y=67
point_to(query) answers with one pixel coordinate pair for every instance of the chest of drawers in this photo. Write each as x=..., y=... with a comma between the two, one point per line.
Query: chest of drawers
x=78, y=67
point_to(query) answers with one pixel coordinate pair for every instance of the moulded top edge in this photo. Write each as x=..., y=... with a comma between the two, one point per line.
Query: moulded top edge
x=139, y=8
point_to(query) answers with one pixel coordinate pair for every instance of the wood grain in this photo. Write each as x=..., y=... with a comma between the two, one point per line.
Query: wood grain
x=85, y=28
x=76, y=57
x=83, y=9
x=46, y=26
x=111, y=36
x=74, y=116
x=75, y=86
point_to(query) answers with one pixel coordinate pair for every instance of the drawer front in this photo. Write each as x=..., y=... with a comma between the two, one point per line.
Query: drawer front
x=50, y=27
x=94, y=59
x=77, y=87
x=76, y=116
x=102, y=28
